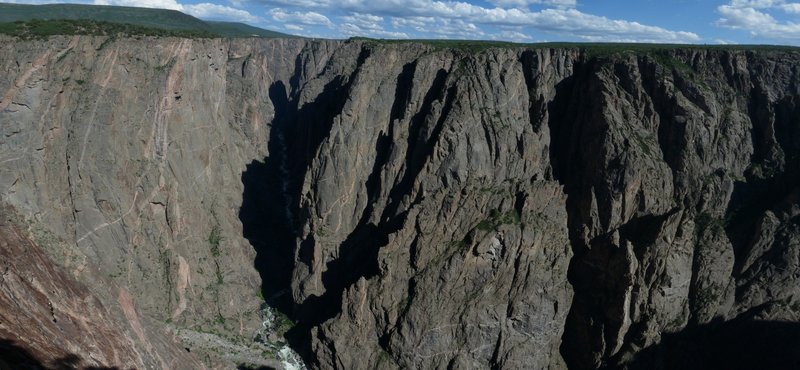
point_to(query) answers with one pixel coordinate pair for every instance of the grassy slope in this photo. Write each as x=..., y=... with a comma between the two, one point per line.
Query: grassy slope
x=145, y=17
x=42, y=28
x=161, y=18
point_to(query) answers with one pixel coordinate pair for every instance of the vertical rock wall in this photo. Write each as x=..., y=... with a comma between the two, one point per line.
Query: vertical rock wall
x=416, y=207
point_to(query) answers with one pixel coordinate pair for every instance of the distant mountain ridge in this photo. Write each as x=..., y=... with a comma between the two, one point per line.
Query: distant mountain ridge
x=146, y=17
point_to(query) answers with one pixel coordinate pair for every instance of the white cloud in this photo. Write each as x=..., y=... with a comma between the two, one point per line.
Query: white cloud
x=765, y=4
x=202, y=10
x=447, y=18
x=220, y=12
x=418, y=23
x=754, y=3
x=743, y=18
x=564, y=21
x=358, y=24
x=160, y=4
x=528, y=3
x=456, y=29
x=366, y=21
x=597, y=28
x=793, y=8
x=349, y=30
x=307, y=18
x=754, y=16
x=511, y=36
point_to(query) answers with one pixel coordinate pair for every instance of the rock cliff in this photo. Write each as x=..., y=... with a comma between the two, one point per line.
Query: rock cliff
x=409, y=206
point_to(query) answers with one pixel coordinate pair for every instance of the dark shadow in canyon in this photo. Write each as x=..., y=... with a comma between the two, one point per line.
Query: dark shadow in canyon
x=773, y=180
x=570, y=112
x=741, y=344
x=358, y=253
x=13, y=356
x=771, y=183
x=271, y=213
x=265, y=217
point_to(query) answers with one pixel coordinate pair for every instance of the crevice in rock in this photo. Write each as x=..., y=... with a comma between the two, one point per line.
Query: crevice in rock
x=564, y=111
x=358, y=253
x=670, y=133
x=763, y=130
x=494, y=362
x=594, y=266
x=563, y=114
x=644, y=231
x=405, y=81
x=769, y=181
x=270, y=212
x=244, y=66
x=415, y=152
x=266, y=213
x=537, y=108
x=597, y=331
x=599, y=271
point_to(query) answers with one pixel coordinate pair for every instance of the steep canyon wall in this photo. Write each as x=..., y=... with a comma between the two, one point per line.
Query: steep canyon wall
x=409, y=206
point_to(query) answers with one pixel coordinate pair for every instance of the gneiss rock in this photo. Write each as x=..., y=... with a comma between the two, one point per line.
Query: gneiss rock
x=417, y=207
x=50, y=320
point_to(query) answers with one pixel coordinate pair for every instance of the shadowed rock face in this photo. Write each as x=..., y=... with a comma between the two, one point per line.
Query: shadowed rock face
x=410, y=207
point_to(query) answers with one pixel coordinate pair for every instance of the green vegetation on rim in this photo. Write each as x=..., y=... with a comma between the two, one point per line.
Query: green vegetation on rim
x=591, y=49
x=148, y=19
x=464, y=45
x=40, y=29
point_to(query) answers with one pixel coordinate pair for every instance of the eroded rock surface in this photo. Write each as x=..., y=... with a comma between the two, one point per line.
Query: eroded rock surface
x=50, y=320
x=416, y=207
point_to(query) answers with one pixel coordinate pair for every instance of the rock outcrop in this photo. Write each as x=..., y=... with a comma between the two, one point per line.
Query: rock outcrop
x=49, y=320
x=415, y=207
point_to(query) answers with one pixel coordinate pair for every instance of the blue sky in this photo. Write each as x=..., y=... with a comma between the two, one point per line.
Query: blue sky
x=676, y=21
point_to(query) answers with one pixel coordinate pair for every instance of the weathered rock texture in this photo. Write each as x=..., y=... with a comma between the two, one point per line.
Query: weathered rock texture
x=49, y=320
x=413, y=207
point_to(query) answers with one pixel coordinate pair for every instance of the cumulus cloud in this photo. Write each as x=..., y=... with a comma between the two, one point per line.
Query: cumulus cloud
x=307, y=18
x=793, y=8
x=366, y=21
x=510, y=35
x=558, y=17
x=219, y=12
x=160, y=4
x=349, y=30
x=456, y=29
x=358, y=24
x=528, y=3
x=597, y=28
x=754, y=3
x=201, y=10
x=756, y=17
x=491, y=19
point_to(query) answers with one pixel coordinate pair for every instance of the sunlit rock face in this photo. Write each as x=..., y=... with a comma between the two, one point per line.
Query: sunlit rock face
x=409, y=206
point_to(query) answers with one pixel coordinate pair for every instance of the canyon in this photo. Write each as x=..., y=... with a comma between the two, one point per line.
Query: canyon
x=376, y=205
